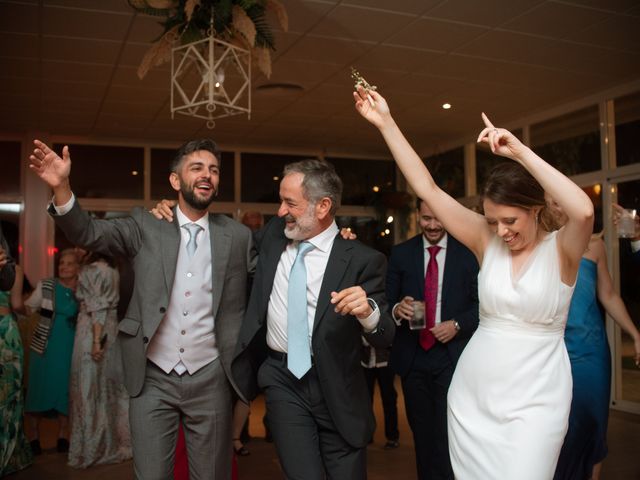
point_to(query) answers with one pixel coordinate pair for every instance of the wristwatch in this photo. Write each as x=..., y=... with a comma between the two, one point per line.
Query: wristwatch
x=456, y=325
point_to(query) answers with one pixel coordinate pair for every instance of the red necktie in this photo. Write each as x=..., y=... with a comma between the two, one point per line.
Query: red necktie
x=427, y=340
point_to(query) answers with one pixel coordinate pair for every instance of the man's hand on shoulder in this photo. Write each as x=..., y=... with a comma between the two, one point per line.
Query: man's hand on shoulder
x=347, y=233
x=163, y=210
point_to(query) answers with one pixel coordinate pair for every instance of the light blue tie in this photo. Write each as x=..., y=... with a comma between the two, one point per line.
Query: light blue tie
x=192, y=244
x=299, y=353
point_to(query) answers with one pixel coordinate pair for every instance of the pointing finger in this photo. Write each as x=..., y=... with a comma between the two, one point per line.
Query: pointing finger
x=486, y=121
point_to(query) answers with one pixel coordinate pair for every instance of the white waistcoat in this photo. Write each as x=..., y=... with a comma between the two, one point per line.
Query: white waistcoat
x=185, y=337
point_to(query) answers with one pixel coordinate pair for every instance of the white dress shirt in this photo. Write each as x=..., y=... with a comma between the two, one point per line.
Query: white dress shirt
x=316, y=263
x=440, y=259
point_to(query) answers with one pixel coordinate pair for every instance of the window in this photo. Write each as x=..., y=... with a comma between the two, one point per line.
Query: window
x=627, y=114
x=101, y=171
x=261, y=175
x=10, y=168
x=571, y=143
x=629, y=197
x=595, y=195
x=370, y=231
x=447, y=170
x=362, y=179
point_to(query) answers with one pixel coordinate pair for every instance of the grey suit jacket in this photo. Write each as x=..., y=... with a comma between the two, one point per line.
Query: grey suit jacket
x=152, y=246
x=336, y=339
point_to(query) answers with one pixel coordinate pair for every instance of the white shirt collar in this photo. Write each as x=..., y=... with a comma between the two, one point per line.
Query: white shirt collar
x=183, y=219
x=442, y=243
x=324, y=240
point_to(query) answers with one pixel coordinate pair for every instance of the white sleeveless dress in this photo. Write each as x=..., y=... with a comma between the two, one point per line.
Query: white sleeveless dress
x=510, y=395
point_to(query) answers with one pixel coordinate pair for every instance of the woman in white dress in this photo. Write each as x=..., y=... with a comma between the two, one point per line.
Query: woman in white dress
x=511, y=392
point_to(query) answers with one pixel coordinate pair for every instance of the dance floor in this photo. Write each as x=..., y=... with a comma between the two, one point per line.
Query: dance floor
x=623, y=462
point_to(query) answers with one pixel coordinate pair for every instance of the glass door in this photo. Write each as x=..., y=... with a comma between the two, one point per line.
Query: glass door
x=627, y=375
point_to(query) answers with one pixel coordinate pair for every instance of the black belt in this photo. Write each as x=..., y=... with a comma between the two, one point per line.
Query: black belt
x=282, y=356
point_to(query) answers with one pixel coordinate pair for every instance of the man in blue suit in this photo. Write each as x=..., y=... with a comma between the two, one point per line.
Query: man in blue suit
x=426, y=365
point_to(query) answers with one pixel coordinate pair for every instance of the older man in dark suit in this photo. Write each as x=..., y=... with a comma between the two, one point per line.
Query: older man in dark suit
x=313, y=296
x=181, y=326
x=432, y=267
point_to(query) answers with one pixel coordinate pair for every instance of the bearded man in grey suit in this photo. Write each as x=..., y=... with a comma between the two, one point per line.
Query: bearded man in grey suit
x=314, y=294
x=181, y=327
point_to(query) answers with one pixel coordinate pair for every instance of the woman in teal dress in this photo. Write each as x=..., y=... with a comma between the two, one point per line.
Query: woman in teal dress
x=15, y=453
x=585, y=444
x=48, y=389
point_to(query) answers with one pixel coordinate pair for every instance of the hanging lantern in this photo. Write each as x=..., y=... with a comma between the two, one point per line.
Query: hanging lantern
x=211, y=67
x=210, y=79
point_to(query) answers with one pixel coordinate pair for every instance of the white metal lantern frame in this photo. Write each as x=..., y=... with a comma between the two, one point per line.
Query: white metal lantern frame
x=209, y=99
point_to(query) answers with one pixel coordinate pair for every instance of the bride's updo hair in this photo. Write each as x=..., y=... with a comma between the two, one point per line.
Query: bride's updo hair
x=510, y=184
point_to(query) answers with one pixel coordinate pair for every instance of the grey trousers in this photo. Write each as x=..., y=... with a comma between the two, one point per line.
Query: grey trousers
x=203, y=403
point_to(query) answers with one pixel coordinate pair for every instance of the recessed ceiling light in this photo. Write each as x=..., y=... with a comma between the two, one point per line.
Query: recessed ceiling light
x=134, y=172
x=446, y=106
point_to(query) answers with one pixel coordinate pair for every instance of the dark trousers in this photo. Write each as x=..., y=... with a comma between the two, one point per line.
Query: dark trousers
x=425, y=396
x=306, y=439
x=385, y=377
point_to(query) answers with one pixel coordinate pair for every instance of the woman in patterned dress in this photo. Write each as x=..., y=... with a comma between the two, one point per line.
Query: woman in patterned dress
x=99, y=402
x=15, y=453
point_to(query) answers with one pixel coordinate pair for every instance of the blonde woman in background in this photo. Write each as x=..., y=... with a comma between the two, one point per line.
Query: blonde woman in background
x=51, y=349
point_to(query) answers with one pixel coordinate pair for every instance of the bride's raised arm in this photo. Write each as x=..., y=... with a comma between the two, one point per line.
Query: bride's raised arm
x=465, y=225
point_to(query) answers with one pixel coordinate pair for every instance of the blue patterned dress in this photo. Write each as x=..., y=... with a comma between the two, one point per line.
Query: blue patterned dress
x=586, y=340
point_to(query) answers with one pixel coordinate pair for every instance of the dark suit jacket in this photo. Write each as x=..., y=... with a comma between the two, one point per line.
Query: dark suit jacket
x=459, y=296
x=336, y=341
x=152, y=246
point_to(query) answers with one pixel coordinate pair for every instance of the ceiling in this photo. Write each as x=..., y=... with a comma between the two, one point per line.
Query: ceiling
x=68, y=67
